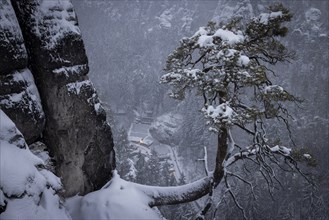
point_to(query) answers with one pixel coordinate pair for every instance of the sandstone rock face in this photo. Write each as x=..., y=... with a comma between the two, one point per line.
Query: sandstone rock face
x=76, y=131
x=19, y=96
x=12, y=46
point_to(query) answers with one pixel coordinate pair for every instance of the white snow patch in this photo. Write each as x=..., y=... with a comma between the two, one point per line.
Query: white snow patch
x=9, y=132
x=284, y=150
x=29, y=191
x=307, y=156
x=229, y=53
x=132, y=170
x=192, y=73
x=201, y=31
x=52, y=180
x=243, y=60
x=264, y=18
x=228, y=36
x=2, y=198
x=29, y=97
x=63, y=21
x=276, y=14
x=32, y=91
x=171, y=77
x=8, y=21
x=70, y=70
x=118, y=199
x=232, y=158
x=205, y=41
x=220, y=113
x=19, y=175
x=97, y=107
x=75, y=87
x=49, y=207
x=13, y=99
x=174, y=191
x=273, y=89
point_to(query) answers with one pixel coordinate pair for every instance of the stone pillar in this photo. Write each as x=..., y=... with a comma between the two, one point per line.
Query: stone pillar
x=76, y=130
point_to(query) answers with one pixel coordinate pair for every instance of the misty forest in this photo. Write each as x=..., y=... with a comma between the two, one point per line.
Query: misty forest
x=164, y=109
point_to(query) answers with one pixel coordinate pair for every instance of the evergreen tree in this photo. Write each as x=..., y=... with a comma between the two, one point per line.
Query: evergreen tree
x=142, y=171
x=124, y=152
x=154, y=170
x=229, y=67
x=165, y=174
x=181, y=180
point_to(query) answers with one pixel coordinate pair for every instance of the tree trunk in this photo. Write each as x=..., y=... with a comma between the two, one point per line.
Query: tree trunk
x=221, y=155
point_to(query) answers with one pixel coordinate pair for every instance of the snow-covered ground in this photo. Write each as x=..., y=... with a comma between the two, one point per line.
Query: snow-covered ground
x=118, y=199
x=27, y=189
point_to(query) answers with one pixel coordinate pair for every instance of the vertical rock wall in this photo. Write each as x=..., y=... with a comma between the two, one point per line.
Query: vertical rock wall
x=19, y=97
x=76, y=131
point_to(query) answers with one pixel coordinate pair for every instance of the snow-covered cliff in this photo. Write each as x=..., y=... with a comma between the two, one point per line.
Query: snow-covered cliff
x=44, y=77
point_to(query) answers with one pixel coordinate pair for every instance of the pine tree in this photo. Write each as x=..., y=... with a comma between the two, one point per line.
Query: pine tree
x=142, y=171
x=165, y=174
x=181, y=180
x=154, y=169
x=230, y=67
x=123, y=153
x=227, y=65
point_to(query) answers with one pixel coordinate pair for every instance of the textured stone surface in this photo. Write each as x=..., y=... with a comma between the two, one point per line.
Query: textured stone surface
x=19, y=97
x=76, y=131
x=12, y=49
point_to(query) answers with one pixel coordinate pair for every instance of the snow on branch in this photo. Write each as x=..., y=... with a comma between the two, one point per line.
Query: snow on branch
x=176, y=194
x=222, y=113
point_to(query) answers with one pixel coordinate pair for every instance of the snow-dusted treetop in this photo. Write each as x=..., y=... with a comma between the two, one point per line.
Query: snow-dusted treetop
x=222, y=61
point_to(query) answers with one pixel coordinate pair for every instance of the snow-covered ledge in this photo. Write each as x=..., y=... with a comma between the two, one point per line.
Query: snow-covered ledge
x=120, y=199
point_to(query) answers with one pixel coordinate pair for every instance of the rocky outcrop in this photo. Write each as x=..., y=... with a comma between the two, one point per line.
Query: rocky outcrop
x=76, y=130
x=27, y=189
x=19, y=97
x=12, y=46
x=165, y=128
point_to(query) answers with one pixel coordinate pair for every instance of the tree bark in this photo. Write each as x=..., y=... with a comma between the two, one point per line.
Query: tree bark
x=221, y=155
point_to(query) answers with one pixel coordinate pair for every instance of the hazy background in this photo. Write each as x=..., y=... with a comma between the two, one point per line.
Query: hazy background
x=127, y=44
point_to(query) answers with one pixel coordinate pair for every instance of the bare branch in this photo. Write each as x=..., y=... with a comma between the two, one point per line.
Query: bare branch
x=245, y=129
x=243, y=180
x=234, y=198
